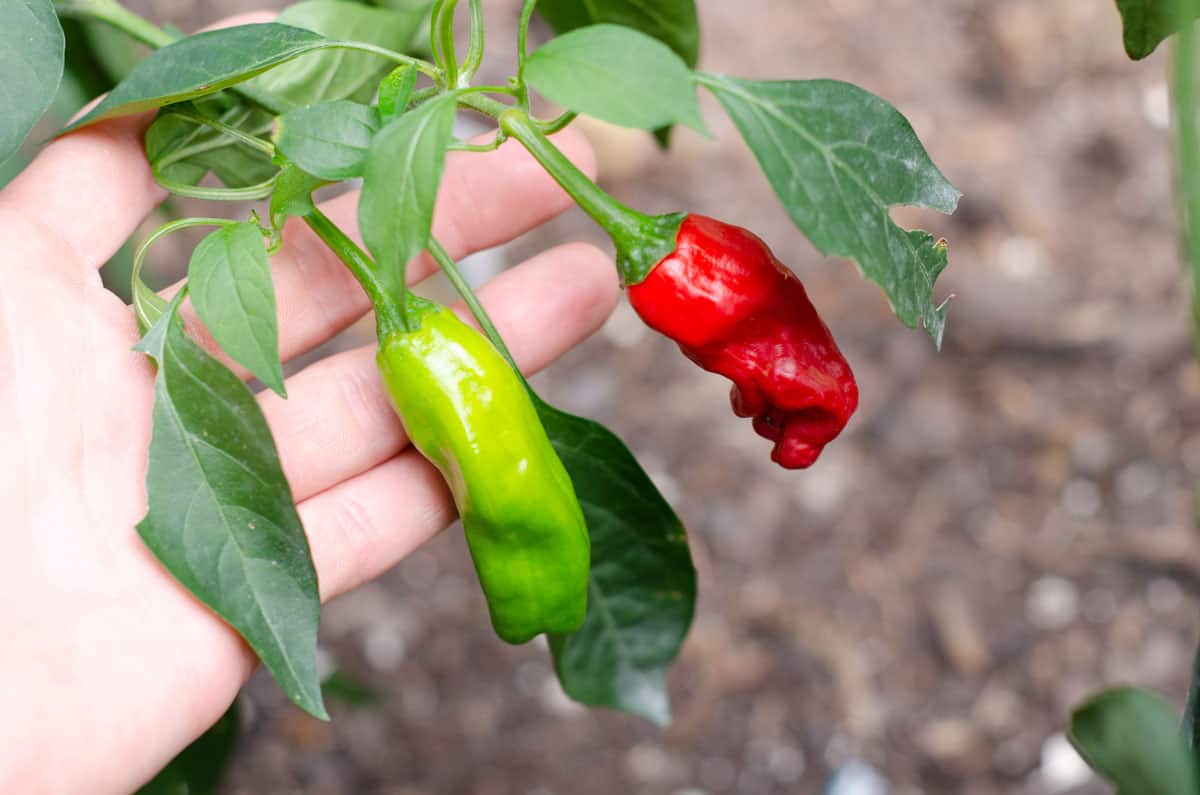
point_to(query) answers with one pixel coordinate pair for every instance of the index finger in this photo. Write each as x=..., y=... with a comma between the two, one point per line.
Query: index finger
x=92, y=187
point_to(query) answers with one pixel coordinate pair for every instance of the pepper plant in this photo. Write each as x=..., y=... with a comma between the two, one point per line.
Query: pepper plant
x=1130, y=735
x=569, y=536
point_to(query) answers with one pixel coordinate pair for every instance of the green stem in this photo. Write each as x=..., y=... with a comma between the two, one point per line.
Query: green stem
x=1187, y=154
x=233, y=132
x=462, y=146
x=523, y=49
x=148, y=305
x=615, y=217
x=484, y=104
x=435, y=13
x=249, y=193
x=448, y=266
x=641, y=240
x=445, y=28
x=424, y=67
x=556, y=124
x=113, y=13
x=474, y=57
x=391, y=315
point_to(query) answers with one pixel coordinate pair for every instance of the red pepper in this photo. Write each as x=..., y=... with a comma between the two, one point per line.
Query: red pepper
x=734, y=309
x=738, y=311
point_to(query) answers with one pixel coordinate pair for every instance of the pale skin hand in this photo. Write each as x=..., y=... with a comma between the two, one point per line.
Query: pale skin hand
x=110, y=667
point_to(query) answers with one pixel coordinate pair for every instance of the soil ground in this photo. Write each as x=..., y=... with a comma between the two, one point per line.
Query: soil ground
x=1005, y=527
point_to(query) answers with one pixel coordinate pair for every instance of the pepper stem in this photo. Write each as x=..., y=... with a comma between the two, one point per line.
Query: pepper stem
x=391, y=316
x=460, y=283
x=641, y=240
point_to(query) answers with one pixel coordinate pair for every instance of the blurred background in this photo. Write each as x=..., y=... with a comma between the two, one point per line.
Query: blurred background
x=1005, y=527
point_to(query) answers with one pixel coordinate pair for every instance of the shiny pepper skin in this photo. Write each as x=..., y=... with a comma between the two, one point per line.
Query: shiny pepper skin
x=734, y=309
x=467, y=412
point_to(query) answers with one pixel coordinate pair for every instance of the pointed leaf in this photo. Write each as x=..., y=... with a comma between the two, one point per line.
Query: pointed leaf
x=642, y=589
x=839, y=158
x=1130, y=736
x=221, y=515
x=339, y=73
x=32, y=50
x=1147, y=22
x=229, y=278
x=203, y=64
x=328, y=140
x=400, y=184
x=616, y=74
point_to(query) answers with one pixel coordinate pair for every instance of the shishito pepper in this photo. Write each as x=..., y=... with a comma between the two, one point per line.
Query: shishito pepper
x=469, y=413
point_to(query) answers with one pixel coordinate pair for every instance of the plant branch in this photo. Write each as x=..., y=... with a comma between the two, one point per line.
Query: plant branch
x=148, y=305
x=615, y=217
x=445, y=30
x=254, y=192
x=118, y=16
x=523, y=49
x=448, y=266
x=474, y=57
x=1187, y=155
x=391, y=315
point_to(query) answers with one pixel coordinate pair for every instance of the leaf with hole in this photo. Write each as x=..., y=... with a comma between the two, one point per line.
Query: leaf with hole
x=840, y=158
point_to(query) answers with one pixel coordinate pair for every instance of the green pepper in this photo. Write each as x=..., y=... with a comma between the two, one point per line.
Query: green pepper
x=469, y=413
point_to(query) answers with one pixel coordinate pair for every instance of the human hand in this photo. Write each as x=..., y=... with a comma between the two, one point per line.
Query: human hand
x=112, y=667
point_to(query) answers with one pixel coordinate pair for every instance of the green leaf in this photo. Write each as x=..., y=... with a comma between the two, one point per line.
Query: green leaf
x=616, y=74
x=1130, y=737
x=839, y=158
x=203, y=64
x=1147, y=22
x=293, y=194
x=350, y=690
x=339, y=73
x=396, y=90
x=642, y=589
x=221, y=515
x=199, y=768
x=203, y=149
x=400, y=184
x=229, y=278
x=673, y=22
x=329, y=140
x=32, y=52
x=1190, y=727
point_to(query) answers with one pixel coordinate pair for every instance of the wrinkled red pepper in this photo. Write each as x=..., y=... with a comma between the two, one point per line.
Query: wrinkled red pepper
x=736, y=310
